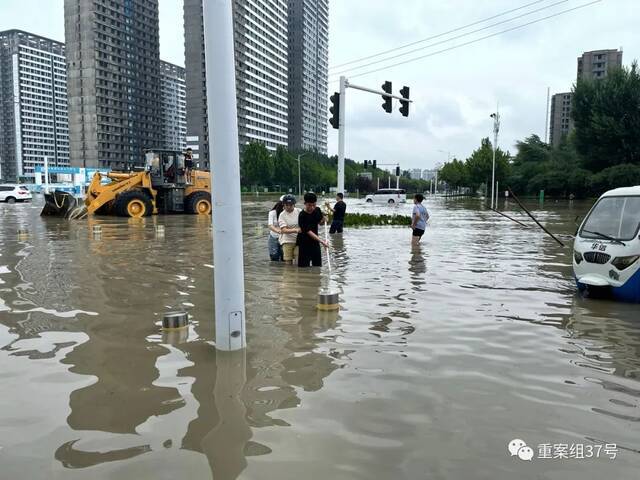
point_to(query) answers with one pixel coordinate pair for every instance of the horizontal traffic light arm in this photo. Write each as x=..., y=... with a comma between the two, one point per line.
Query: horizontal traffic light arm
x=377, y=92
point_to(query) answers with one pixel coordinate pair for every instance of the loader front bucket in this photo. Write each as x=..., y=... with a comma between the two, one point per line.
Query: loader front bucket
x=60, y=204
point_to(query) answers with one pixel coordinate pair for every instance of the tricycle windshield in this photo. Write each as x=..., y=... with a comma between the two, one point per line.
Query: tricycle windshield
x=615, y=217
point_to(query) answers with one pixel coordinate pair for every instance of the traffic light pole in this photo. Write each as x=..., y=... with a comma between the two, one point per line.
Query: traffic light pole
x=344, y=84
x=343, y=88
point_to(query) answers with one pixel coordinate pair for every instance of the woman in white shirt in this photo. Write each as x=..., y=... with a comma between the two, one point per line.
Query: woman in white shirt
x=275, y=249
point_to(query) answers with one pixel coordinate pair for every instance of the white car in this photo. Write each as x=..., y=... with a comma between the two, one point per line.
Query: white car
x=14, y=193
x=388, y=195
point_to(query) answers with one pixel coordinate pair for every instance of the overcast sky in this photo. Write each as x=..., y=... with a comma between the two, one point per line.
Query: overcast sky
x=454, y=92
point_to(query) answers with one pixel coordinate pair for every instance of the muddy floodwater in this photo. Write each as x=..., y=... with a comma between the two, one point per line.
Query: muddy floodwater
x=439, y=357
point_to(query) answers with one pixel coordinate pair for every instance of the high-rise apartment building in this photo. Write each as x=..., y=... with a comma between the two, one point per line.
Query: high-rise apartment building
x=415, y=173
x=591, y=65
x=195, y=76
x=33, y=104
x=173, y=106
x=560, y=117
x=113, y=75
x=597, y=64
x=308, y=74
x=260, y=28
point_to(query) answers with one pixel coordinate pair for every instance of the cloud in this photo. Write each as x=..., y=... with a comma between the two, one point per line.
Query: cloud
x=456, y=91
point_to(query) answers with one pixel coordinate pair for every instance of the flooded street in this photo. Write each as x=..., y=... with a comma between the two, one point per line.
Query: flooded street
x=438, y=358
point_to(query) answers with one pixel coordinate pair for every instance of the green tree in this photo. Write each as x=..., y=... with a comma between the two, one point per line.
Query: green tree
x=256, y=167
x=285, y=168
x=531, y=161
x=606, y=113
x=479, y=164
x=455, y=173
x=625, y=175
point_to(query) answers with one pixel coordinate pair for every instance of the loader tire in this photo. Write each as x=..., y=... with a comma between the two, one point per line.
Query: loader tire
x=198, y=203
x=133, y=204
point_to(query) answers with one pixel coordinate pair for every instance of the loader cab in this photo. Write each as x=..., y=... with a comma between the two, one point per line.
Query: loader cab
x=165, y=166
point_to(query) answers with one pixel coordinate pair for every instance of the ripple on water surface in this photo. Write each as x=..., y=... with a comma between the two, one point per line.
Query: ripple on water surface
x=439, y=356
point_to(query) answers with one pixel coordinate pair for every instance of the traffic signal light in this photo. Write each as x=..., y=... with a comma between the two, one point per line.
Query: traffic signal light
x=404, y=104
x=386, y=105
x=397, y=171
x=335, y=110
x=366, y=164
x=375, y=163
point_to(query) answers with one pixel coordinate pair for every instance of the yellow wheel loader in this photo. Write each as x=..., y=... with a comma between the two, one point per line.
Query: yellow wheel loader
x=159, y=187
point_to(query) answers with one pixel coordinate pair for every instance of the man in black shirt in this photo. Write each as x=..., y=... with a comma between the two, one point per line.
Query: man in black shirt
x=309, y=242
x=339, y=211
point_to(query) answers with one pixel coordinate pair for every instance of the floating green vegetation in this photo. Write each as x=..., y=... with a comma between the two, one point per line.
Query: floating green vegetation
x=367, y=220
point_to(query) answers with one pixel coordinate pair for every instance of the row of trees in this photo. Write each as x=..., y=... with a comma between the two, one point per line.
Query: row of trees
x=279, y=170
x=603, y=151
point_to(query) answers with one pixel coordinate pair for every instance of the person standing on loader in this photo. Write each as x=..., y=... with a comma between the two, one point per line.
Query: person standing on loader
x=188, y=164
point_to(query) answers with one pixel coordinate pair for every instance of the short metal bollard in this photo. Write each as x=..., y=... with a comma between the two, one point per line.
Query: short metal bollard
x=175, y=320
x=328, y=300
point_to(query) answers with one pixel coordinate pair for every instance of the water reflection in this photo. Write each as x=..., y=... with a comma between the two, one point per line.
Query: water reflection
x=149, y=386
x=225, y=445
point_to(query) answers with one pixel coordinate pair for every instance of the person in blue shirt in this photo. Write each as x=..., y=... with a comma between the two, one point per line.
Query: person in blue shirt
x=418, y=219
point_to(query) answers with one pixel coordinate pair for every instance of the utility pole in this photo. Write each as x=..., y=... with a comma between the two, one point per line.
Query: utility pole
x=435, y=192
x=225, y=176
x=496, y=129
x=299, y=178
x=546, y=120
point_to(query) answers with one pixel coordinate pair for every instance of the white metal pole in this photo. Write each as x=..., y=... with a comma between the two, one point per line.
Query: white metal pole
x=496, y=127
x=389, y=181
x=46, y=174
x=378, y=183
x=341, y=133
x=497, y=193
x=326, y=239
x=435, y=191
x=398, y=181
x=299, y=178
x=493, y=174
x=225, y=175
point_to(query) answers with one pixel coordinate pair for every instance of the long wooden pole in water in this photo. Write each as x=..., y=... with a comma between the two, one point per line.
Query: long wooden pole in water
x=534, y=218
x=507, y=216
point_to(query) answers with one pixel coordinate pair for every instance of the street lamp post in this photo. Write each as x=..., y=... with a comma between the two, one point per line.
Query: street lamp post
x=300, y=155
x=228, y=260
x=496, y=129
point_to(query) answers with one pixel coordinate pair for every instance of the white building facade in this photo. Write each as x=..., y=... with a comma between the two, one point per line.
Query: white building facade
x=33, y=104
x=173, y=106
x=262, y=71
